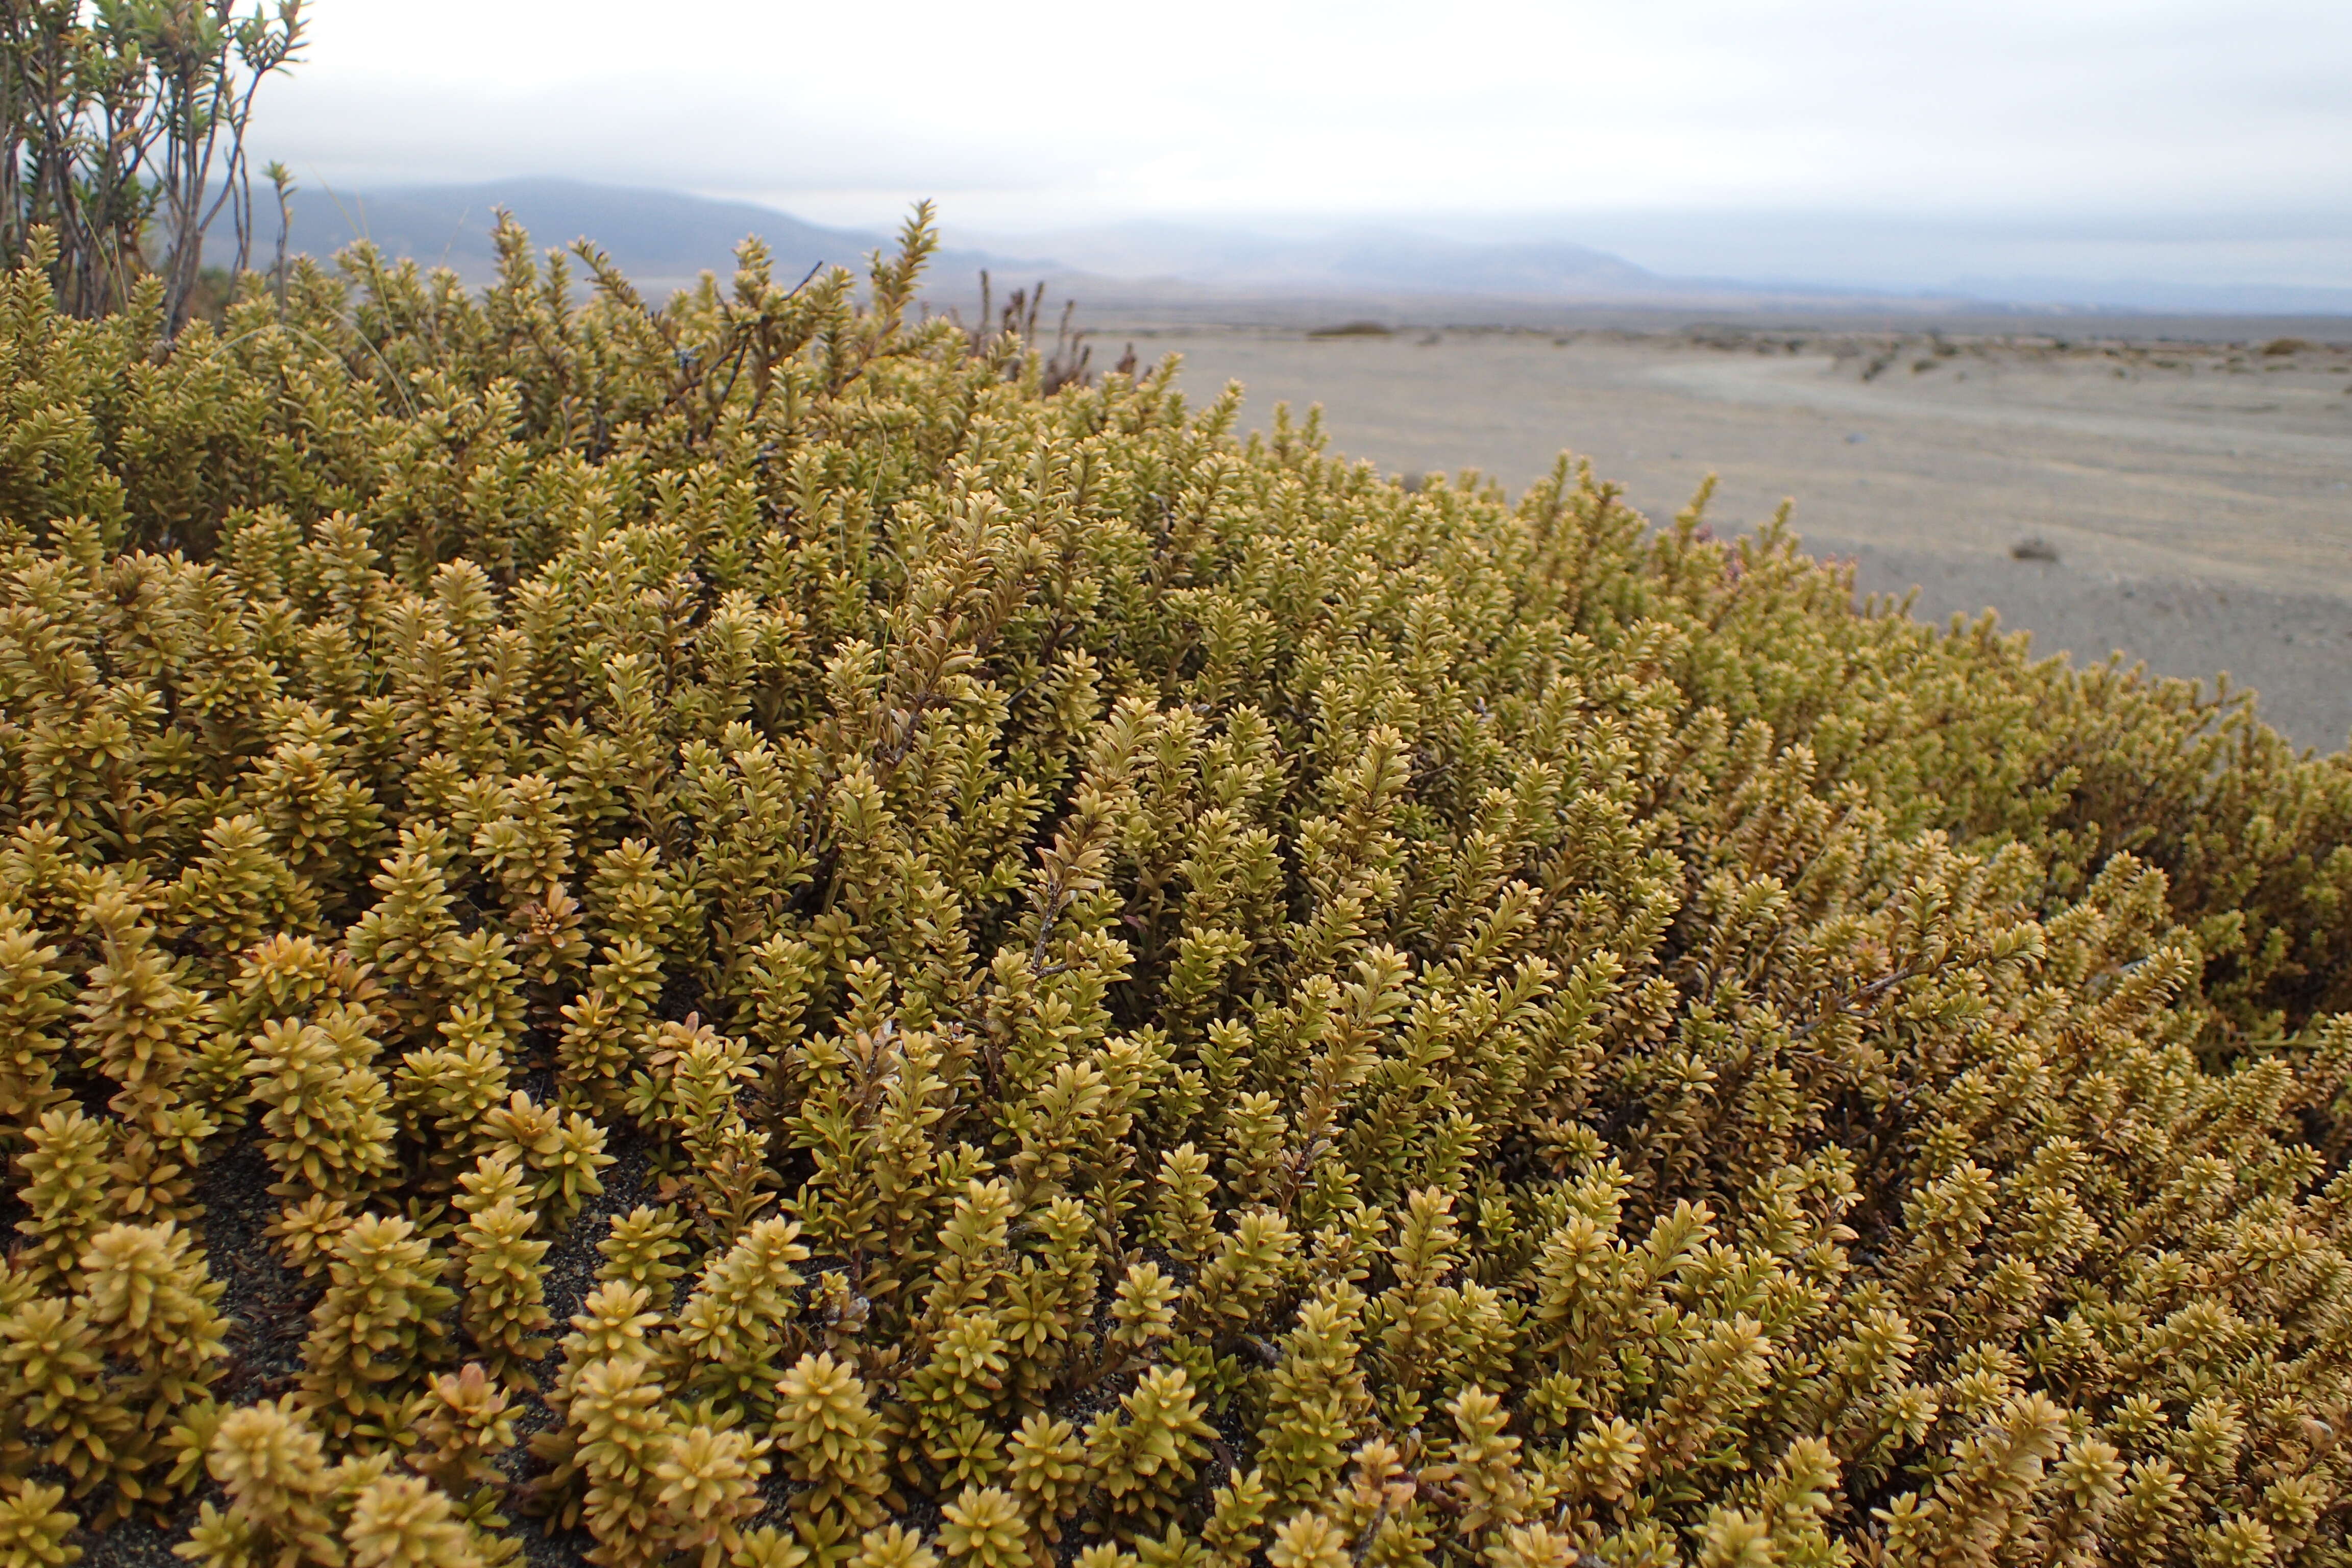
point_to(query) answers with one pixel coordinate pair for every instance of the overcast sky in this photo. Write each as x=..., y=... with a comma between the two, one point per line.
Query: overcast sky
x=2220, y=118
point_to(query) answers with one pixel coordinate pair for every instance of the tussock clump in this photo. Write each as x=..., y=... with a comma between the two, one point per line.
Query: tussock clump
x=1160, y=999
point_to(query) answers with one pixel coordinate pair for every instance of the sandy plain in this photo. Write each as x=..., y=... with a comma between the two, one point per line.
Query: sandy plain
x=2196, y=495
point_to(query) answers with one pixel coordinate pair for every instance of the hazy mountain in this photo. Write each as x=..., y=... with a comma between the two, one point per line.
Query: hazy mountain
x=665, y=239
x=1384, y=260
x=662, y=239
x=2127, y=294
x=1804, y=261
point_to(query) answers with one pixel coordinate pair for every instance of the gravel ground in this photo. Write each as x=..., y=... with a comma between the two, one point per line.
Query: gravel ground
x=2294, y=649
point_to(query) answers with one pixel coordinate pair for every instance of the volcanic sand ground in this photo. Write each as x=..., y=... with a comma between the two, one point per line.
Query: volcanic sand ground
x=2197, y=495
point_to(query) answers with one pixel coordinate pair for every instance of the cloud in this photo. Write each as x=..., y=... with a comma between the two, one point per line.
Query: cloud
x=1065, y=112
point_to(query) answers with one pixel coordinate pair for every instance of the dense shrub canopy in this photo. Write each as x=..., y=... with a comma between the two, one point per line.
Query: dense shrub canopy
x=733, y=934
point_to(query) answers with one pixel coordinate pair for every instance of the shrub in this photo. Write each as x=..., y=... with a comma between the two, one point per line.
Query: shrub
x=33, y=1529
x=379, y=1327
x=1171, y=1001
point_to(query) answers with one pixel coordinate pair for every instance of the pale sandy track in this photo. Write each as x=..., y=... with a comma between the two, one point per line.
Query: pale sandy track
x=2211, y=427
x=2202, y=510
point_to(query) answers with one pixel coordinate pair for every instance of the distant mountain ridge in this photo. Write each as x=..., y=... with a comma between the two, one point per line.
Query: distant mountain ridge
x=1383, y=259
x=662, y=239
x=666, y=239
x=2140, y=294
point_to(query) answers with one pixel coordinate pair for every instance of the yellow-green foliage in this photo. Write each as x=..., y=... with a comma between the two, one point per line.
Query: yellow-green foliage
x=1169, y=1001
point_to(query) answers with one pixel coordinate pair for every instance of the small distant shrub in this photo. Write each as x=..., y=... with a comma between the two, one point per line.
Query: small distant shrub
x=1092, y=990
